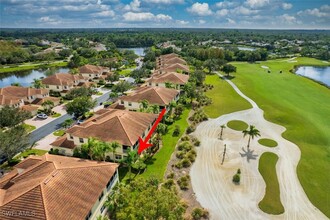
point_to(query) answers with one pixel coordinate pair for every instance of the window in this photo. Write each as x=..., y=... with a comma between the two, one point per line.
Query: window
x=118, y=157
x=47, y=86
x=71, y=137
x=156, y=84
x=57, y=87
x=130, y=104
x=65, y=87
x=149, y=84
x=122, y=102
x=102, y=209
x=31, y=97
x=81, y=140
x=100, y=197
x=89, y=215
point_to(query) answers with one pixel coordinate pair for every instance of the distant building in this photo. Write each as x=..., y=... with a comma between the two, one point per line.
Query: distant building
x=55, y=187
x=94, y=73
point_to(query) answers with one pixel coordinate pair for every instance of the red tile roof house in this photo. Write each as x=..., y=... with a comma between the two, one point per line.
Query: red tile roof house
x=55, y=187
x=108, y=125
x=163, y=62
x=174, y=68
x=160, y=80
x=94, y=73
x=63, y=82
x=154, y=95
x=23, y=97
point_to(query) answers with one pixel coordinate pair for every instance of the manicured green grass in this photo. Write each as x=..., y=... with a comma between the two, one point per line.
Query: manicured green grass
x=29, y=128
x=224, y=98
x=30, y=66
x=59, y=132
x=237, y=125
x=26, y=153
x=267, y=142
x=271, y=203
x=125, y=72
x=56, y=115
x=302, y=106
x=160, y=160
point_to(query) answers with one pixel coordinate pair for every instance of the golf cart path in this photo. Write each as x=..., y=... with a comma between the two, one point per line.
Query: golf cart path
x=212, y=182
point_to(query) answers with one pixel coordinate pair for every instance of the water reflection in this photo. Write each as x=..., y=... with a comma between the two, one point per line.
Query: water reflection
x=321, y=74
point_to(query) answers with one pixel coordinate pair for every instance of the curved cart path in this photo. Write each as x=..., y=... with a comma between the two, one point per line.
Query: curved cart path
x=212, y=182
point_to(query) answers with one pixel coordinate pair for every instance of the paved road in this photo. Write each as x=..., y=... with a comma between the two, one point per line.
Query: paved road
x=52, y=126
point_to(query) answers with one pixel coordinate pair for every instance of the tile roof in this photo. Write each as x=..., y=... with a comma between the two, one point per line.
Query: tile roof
x=39, y=101
x=62, y=79
x=63, y=142
x=13, y=94
x=8, y=100
x=30, y=108
x=172, y=77
x=91, y=69
x=53, y=187
x=154, y=95
x=173, y=60
x=174, y=67
x=109, y=125
x=168, y=56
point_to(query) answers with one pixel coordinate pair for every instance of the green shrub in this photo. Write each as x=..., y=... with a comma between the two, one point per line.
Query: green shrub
x=184, y=146
x=170, y=176
x=183, y=182
x=180, y=154
x=197, y=143
x=178, y=165
x=185, y=162
x=236, y=178
x=176, y=131
x=239, y=171
x=169, y=183
x=13, y=161
x=190, y=129
x=191, y=157
x=199, y=213
x=54, y=151
x=185, y=138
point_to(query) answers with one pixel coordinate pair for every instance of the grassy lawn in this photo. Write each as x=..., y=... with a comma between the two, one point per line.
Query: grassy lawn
x=224, y=98
x=267, y=142
x=125, y=72
x=237, y=125
x=26, y=153
x=300, y=105
x=59, y=132
x=30, y=66
x=56, y=115
x=271, y=203
x=157, y=166
x=29, y=128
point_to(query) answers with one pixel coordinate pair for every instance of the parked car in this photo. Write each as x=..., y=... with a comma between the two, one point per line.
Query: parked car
x=3, y=159
x=42, y=116
x=80, y=121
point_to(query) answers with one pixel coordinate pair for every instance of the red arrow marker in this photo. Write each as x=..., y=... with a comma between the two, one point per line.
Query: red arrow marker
x=143, y=144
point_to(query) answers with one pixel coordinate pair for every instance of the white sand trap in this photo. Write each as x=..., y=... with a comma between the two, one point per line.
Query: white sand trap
x=212, y=182
x=325, y=61
x=265, y=67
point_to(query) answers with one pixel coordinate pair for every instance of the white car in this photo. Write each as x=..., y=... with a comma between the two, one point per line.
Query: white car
x=42, y=116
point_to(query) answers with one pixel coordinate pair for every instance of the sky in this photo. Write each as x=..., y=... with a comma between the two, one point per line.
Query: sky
x=249, y=14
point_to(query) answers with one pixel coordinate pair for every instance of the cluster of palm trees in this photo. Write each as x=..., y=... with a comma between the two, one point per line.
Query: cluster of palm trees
x=146, y=107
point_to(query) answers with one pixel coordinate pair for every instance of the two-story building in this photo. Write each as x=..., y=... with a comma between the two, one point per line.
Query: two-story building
x=94, y=73
x=176, y=79
x=163, y=62
x=55, y=187
x=108, y=125
x=177, y=67
x=63, y=82
x=160, y=96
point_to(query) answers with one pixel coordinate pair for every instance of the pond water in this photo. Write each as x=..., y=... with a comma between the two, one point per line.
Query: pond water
x=247, y=48
x=321, y=74
x=137, y=50
x=25, y=78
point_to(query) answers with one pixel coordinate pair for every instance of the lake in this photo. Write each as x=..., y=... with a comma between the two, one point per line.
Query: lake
x=321, y=74
x=25, y=78
x=137, y=50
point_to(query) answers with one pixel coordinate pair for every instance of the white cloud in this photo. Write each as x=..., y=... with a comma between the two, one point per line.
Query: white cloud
x=225, y=4
x=287, y=19
x=324, y=11
x=244, y=11
x=145, y=16
x=201, y=21
x=108, y=13
x=222, y=12
x=182, y=22
x=133, y=6
x=201, y=9
x=257, y=3
x=49, y=20
x=286, y=6
x=230, y=21
x=167, y=2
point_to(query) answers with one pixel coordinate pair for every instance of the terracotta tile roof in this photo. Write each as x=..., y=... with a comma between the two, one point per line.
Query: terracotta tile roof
x=173, y=60
x=39, y=101
x=30, y=108
x=174, y=67
x=86, y=84
x=111, y=125
x=168, y=56
x=62, y=79
x=172, y=77
x=92, y=69
x=154, y=95
x=54, y=187
x=13, y=94
x=63, y=142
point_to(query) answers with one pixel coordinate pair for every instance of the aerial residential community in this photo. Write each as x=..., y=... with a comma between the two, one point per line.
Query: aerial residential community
x=164, y=109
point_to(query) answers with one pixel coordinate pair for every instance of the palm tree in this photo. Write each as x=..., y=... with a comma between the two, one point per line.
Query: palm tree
x=102, y=149
x=67, y=123
x=131, y=158
x=252, y=132
x=47, y=105
x=88, y=147
x=113, y=148
x=144, y=104
x=154, y=109
x=222, y=127
x=171, y=106
x=169, y=85
x=37, y=84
